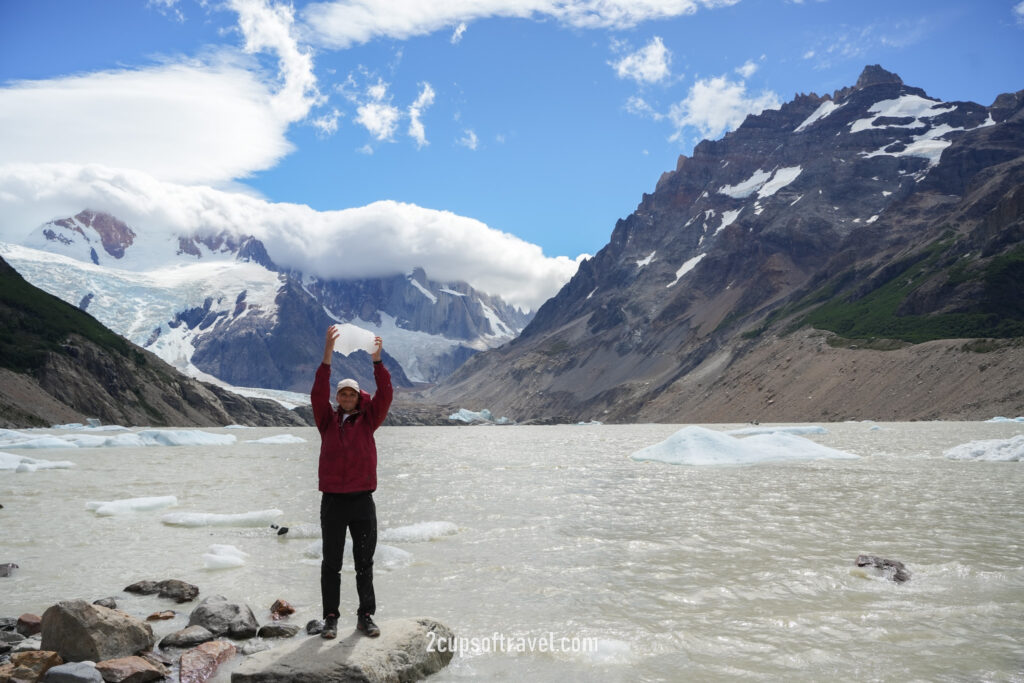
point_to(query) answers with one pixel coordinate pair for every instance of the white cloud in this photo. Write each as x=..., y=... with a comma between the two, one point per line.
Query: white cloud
x=328, y=123
x=717, y=105
x=747, y=70
x=416, y=130
x=209, y=121
x=376, y=114
x=1018, y=12
x=383, y=238
x=469, y=140
x=168, y=8
x=342, y=23
x=649, y=64
x=457, y=34
x=639, y=106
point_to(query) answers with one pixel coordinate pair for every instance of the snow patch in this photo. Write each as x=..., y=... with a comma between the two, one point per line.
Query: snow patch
x=426, y=292
x=824, y=109
x=686, y=268
x=748, y=186
x=781, y=178
x=646, y=261
x=728, y=218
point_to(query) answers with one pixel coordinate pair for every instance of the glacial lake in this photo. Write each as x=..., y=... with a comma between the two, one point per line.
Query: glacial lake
x=518, y=536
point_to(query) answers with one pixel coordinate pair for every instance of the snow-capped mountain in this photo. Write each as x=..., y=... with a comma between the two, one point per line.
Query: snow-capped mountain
x=216, y=305
x=874, y=212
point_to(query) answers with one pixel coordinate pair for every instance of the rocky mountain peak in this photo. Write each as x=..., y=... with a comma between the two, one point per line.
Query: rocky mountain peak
x=115, y=235
x=874, y=74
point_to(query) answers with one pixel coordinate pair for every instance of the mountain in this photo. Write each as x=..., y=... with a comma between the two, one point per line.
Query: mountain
x=826, y=260
x=216, y=306
x=60, y=365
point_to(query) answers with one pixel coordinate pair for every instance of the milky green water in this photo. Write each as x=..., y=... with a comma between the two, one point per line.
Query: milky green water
x=627, y=570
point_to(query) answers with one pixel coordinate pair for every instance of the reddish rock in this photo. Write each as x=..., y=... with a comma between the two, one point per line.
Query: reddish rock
x=128, y=670
x=200, y=663
x=29, y=624
x=159, y=616
x=281, y=609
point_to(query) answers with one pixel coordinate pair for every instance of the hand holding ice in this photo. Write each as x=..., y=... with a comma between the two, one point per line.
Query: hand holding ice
x=352, y=338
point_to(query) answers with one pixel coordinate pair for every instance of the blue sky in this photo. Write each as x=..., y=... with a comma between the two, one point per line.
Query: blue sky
x=509, y=134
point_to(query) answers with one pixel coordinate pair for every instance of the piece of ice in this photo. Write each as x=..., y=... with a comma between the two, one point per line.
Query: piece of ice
x=385, y=556
x=279, y=439
x=421, y=531
x=485, y=415
x=797, y=429
x=224, y=557
x=994, y=450
x=41, y=442
x=20, y=463
x=700, y=446
x=352, y=338
x=197, y=519
x=129, y=505
x=1006, y=419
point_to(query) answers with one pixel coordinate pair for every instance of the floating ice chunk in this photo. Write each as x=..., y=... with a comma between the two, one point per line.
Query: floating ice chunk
x=995, y=450
x=20, y=463
x=237, y=427
x=796, y=429
x=699, y=446
x=129, y=505
x=421, y=531
x=385, y=556
x=1006, y=419
x=352, y=338
x=469, y=417
x=224, y=557
x=183, y=437
x=196, y=519
x=41, y=442
x=279, y=439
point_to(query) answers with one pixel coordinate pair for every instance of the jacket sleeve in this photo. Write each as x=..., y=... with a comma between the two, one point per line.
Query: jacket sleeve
x=320, y=396
x=381, y=401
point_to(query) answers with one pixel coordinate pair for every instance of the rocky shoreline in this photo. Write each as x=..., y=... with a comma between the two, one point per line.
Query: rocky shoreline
x=76, y=641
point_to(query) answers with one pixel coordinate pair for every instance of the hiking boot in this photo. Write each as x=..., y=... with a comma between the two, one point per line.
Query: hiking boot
x=366, y=625
x=330, y=628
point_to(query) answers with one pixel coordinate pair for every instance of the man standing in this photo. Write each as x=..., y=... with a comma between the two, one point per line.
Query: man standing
x=348, y=478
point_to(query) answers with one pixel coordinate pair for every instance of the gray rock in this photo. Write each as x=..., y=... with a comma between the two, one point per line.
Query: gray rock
x=80, y=631
x=143, y=588
x=278, y=631
x=315, y=626
x=188, y=637
x=406, y=650
x=7, y=568
x=109, y=603
x=27, y=645
x=74, y=672
x=11, y=637
x=221, y=618
x=173, y=589
x=890, y=569
x=8, y=623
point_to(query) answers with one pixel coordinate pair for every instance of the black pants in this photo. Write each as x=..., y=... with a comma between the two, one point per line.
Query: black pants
x=357, y=513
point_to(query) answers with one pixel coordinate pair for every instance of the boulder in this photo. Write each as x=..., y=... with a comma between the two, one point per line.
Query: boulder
x=406, y=650
x=8, y=624
x=187, y=637
x=74, y=672
x=142, y=588
x=129, y=670
x=7, y=568
x=278, y=631
x=28, y=624
x=201, y=662
x=221, y=617
x=315, y=626
x=28, y=645
x=890, y=569
x=280, y=609
x=80, y=631
x=173, y=589
x=109, y=603
x=38, y=662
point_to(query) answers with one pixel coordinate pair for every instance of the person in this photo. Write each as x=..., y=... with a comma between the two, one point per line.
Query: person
x=348, y=478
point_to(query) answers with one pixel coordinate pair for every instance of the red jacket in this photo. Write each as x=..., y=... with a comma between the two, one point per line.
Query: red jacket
x=348, y=453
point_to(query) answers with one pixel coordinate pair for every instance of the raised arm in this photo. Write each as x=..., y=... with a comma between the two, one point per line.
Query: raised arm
x=320, y=395
x=381, y=401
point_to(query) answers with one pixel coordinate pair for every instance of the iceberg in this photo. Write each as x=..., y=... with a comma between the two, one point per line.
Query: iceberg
x=224, y=557
x=993, y=450
x=799, y=429
x=19, y=463
x=129, y=505
x=41, y=442
x=197, y=519
x=484, y=416
x=386, y=556
x=279, y=439
x=146, y=437
x=421, y=531
x=352, y=338
x=700, y=446
x=1006, y=419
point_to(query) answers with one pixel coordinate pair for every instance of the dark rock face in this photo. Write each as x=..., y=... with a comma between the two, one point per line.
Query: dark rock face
x=821, y=213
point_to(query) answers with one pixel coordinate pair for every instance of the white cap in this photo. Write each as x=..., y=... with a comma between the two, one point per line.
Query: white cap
x=348, y=384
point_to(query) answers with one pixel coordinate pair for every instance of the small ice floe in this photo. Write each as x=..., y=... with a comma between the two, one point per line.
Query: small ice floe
x=221, y=556
x=700, y=446
x=41, y=442
x=279, y=439
x=20, y=463
x=129, y=505
x=198, y=519
x=592, y=423
x=483, y=417
x=421, y=531
x=385, y=556
x=352, y=338
x=146, y=437
x=780, y=429
x=993, y=450
x=237, y=427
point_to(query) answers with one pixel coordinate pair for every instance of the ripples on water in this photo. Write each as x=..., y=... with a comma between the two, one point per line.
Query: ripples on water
x=680, y=573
